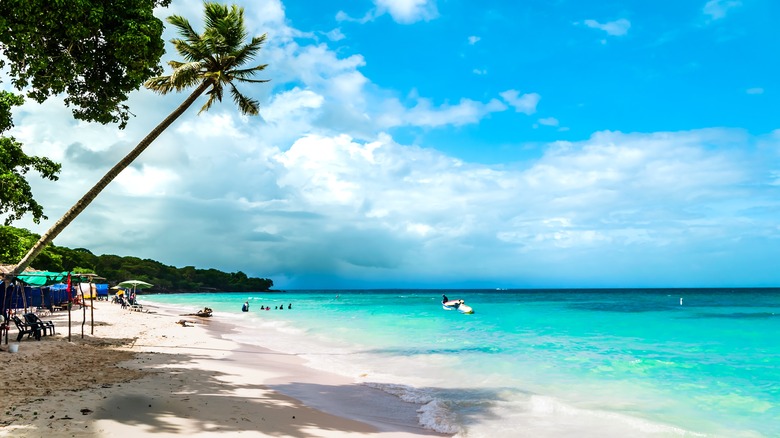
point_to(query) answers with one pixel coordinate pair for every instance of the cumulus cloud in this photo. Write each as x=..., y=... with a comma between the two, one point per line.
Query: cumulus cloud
x=614, y=28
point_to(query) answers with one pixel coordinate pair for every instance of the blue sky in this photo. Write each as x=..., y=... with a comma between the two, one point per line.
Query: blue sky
x=421, y=143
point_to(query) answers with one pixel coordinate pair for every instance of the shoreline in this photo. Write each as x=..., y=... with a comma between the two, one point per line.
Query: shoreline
x=142, y=373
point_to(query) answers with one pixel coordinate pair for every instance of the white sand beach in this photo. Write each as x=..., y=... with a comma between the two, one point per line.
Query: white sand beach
x=145, y=374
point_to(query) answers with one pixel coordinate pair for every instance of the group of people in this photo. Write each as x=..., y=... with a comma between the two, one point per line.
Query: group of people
x=125, y=302
x=245, y=307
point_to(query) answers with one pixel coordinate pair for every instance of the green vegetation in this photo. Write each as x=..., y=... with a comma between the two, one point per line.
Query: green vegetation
x=14, y=242
x=95, y=52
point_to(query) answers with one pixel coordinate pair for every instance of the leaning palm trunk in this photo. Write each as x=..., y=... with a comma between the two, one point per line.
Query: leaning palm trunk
x=90, y=196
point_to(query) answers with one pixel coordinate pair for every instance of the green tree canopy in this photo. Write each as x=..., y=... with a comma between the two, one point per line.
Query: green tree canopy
x=94, y=51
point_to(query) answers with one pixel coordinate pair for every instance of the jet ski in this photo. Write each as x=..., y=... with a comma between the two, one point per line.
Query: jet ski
x=458, y=305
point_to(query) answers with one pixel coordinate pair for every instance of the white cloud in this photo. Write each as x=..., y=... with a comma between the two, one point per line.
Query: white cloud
x=335, y=35
x=717, y=9
x=613, y=190
x=522, y=104
x=465, y=112
x=408, y=11
x=290, y=104
x=615, y=28
x=213, y=124
x=147, y=181
x=402, y=11
x=549, y=121
x=755, y=90
x=474, y=39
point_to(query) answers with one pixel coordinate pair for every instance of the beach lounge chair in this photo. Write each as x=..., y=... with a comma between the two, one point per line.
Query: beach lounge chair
x=45, y=326
x=26, y=329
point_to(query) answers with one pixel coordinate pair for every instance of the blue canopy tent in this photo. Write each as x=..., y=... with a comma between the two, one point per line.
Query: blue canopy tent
x=58, y=293
x=102, y=290
x=26, y=296
x=32, y=291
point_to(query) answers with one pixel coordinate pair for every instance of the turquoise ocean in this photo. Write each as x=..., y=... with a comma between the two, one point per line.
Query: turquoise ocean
x=538, y=363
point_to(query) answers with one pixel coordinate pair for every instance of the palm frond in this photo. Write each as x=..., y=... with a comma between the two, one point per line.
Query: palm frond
x=227, y=31
x=186, y=75
x=214, y=13
x=175, y=64
x=252, y=81
x=245, y=104
x=218, y=92
x=190, y=52
x=160, y=84
x=248, y=52
x=244, y=74
x=234, y=28
x=184, y=27
x=215, y=94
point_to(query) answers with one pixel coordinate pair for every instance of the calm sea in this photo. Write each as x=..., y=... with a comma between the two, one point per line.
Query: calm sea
x=539, y=363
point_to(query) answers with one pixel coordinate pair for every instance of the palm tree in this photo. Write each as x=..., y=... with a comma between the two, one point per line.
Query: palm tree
x=213, y=60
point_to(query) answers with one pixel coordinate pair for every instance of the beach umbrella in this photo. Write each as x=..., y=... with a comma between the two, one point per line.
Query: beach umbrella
x=134, y=284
